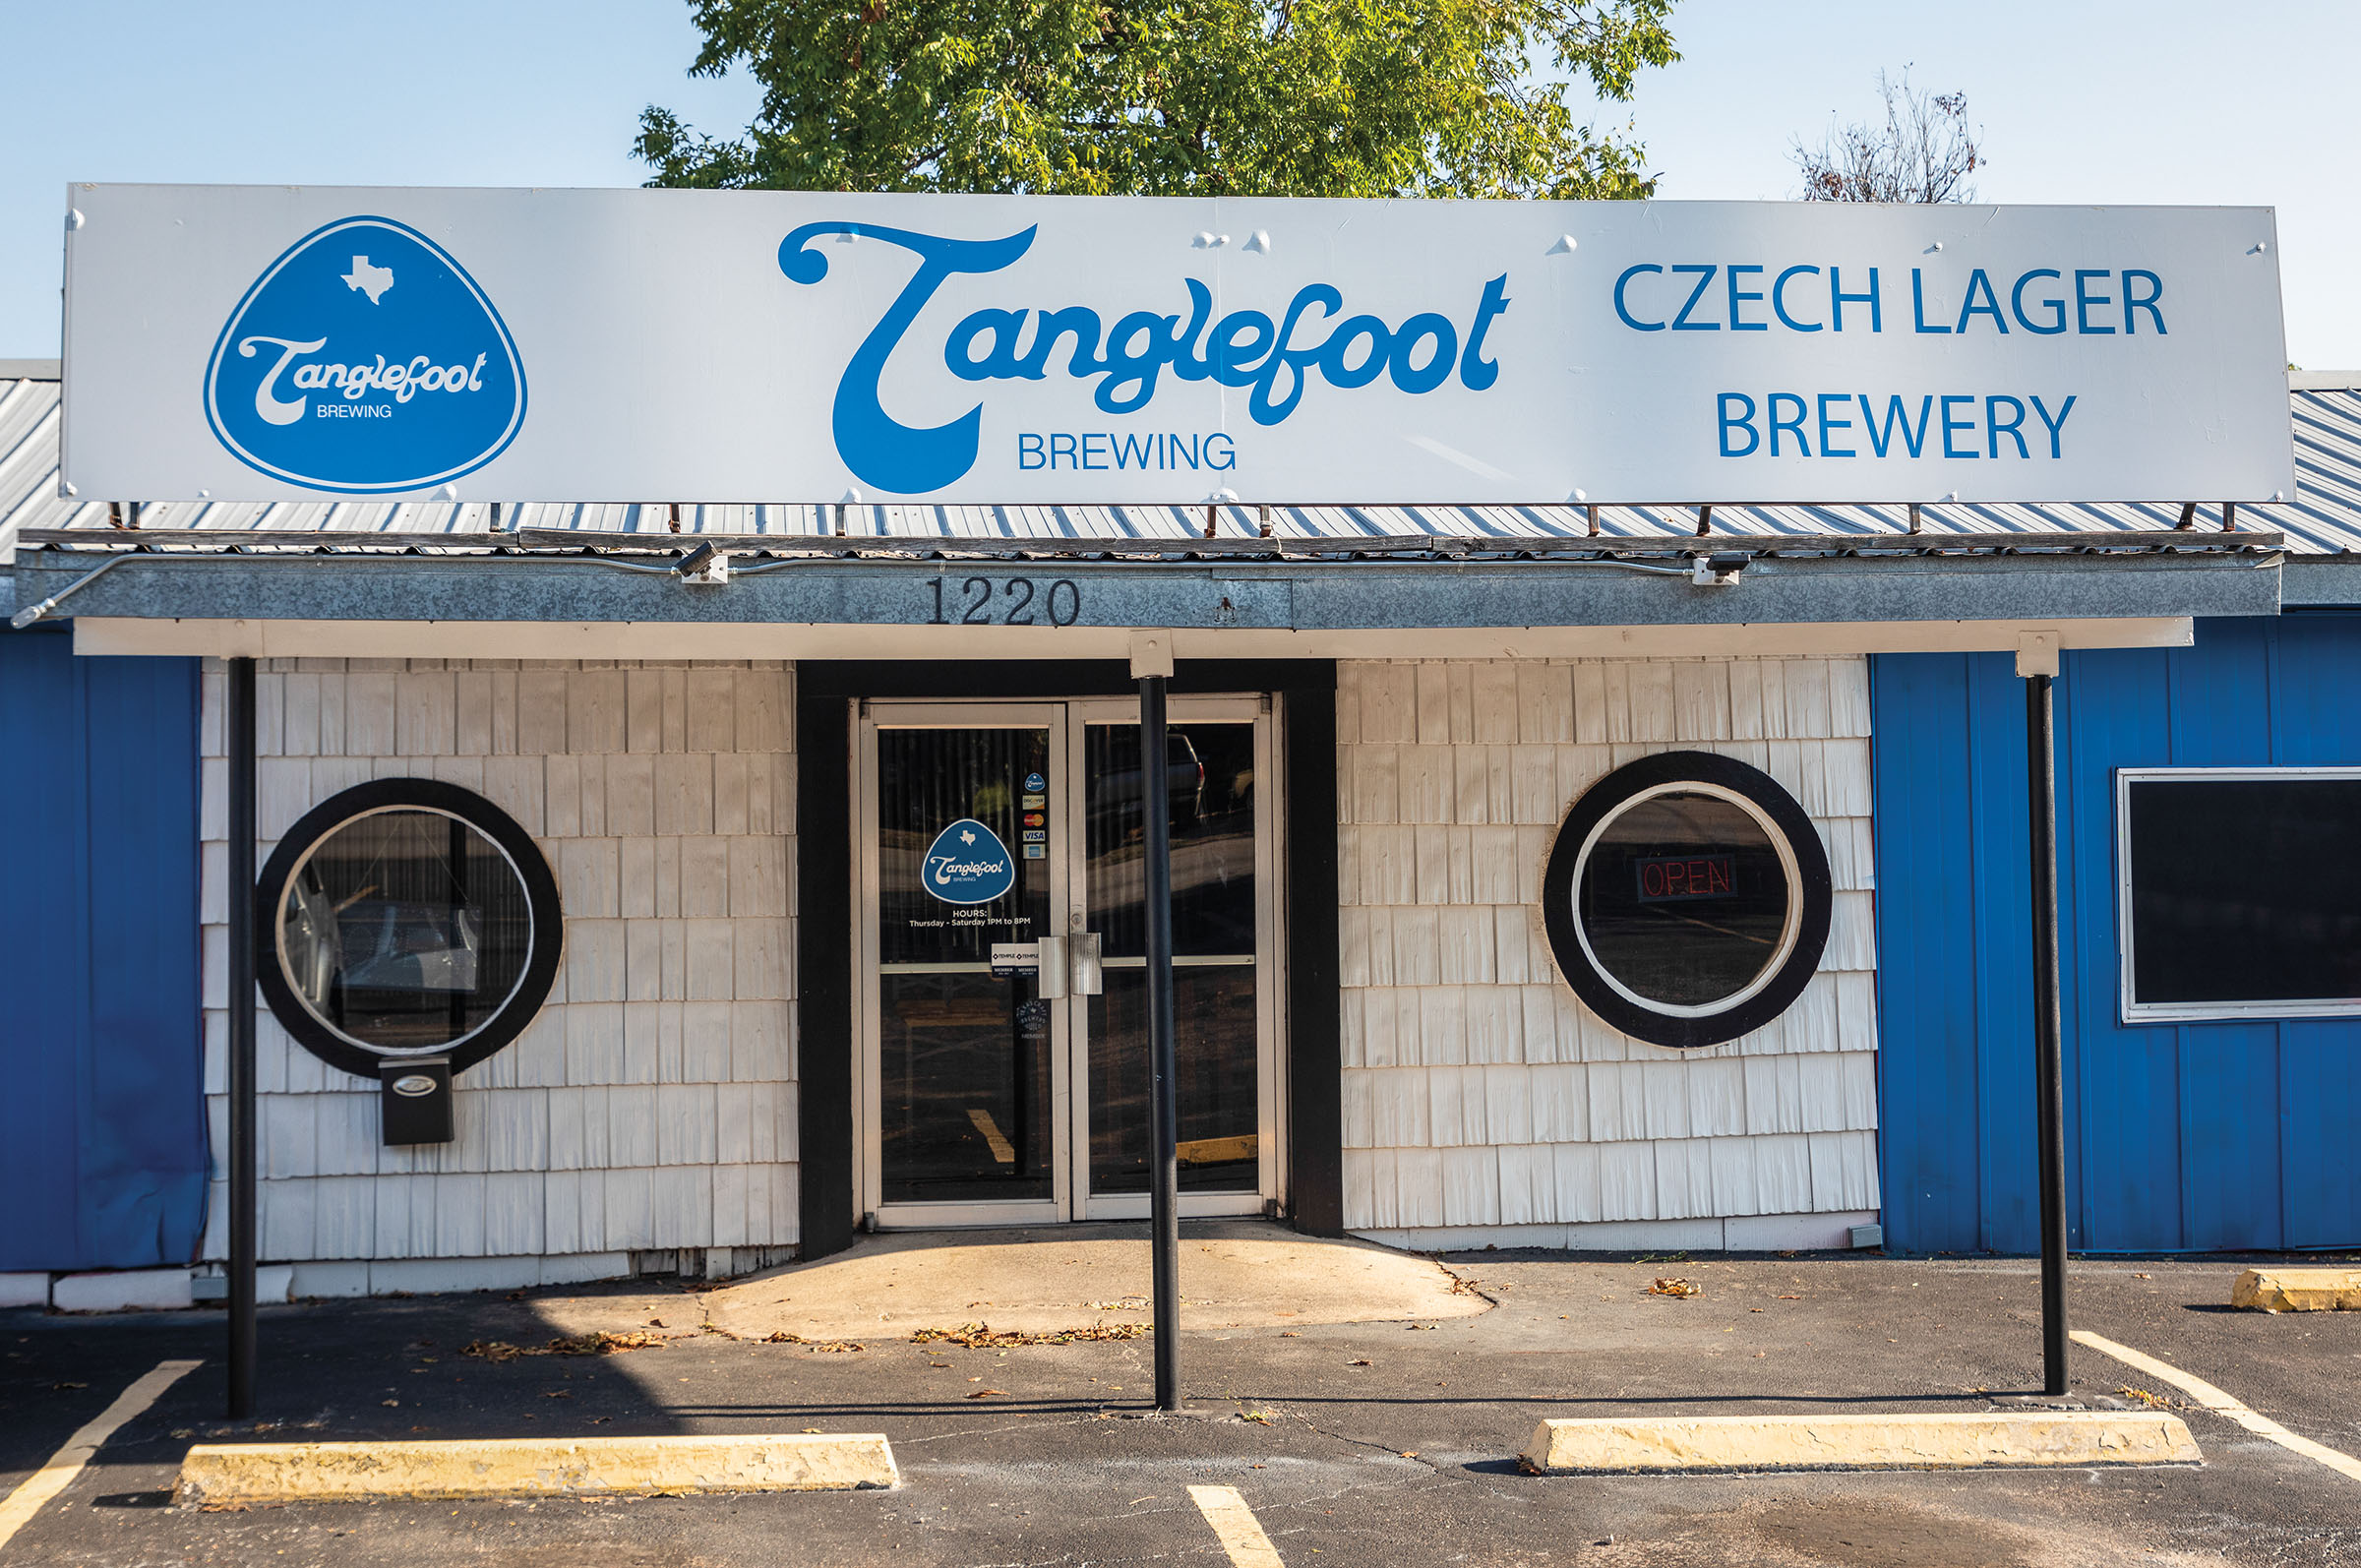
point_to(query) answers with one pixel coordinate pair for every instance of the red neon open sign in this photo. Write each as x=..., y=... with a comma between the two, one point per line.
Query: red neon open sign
x=1673, y=878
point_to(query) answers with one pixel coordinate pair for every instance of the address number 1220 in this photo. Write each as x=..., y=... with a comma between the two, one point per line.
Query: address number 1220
x=1011, y=601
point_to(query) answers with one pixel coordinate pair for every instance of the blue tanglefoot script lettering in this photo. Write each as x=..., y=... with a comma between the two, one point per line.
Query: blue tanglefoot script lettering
x=873, y=443
x=1245, y=348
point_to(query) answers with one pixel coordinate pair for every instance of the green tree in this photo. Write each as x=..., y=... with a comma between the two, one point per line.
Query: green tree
x=1171, y=98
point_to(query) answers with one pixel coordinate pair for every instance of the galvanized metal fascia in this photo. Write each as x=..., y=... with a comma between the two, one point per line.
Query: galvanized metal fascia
x=2321, y=581
x=1274, y=596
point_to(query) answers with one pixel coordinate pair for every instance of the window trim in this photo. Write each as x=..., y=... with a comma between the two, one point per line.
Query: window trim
x=2130, y=1009
x=1790, y=927
x=1810, y=903
x=546, y=926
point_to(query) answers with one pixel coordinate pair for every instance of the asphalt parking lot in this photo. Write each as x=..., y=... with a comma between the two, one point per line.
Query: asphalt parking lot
x=1376, y=1444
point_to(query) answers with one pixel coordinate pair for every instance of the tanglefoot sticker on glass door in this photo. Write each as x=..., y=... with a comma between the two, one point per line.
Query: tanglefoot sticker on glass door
x=967, y=863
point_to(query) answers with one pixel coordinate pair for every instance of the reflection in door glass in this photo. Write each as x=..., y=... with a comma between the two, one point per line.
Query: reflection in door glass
x=1209, y=780
x=964, y=1056
x=966, y=1089
x=1209, y=783
x=1213, y=1026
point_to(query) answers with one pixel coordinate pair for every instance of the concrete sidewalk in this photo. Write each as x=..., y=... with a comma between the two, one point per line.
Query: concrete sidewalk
x=1234, y=1274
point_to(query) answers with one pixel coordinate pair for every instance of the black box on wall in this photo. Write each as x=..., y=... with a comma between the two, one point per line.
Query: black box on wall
x=415, y=1096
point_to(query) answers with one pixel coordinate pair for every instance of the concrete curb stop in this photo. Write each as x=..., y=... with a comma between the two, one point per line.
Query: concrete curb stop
x=2298, y=1291
x=2074, y=1438
x=215, y=1473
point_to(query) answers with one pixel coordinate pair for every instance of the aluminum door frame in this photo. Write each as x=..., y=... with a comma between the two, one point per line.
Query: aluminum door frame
x=1270, y=1079
x=868, y=1001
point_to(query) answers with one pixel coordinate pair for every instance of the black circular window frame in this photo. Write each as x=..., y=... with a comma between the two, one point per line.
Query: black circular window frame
x=541, y=899
x=1610, y=795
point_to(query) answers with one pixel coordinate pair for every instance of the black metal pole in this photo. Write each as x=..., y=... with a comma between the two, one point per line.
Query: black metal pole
x=239, y=736
x=1164, y=1201
x=2041, y=781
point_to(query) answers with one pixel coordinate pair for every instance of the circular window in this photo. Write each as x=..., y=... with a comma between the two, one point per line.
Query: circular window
x=1687, y=899
x=406, y=917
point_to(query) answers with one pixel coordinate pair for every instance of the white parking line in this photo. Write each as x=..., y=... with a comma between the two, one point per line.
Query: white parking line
x=2213, y=1399
x=1233, y=1522
x=18, y=1507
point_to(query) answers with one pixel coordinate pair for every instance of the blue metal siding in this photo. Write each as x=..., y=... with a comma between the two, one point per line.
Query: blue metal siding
x=2181, y=1137
x=102, y=1142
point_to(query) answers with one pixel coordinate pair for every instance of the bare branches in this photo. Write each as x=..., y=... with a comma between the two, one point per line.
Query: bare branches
x=1924, y=152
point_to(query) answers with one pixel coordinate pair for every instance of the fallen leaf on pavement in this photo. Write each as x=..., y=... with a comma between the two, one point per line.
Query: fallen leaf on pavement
x=782, y=1337
x=596, y=1343
x=979, y=1336
x=1673, y=1285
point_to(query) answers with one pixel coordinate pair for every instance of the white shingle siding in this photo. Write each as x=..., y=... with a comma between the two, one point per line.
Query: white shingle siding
x=651, y=1106
x=1482, y=1102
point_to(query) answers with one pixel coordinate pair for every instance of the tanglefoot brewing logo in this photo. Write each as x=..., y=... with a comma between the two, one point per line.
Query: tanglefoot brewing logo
x=1317, y=336
x=967, y=863
x=365, y=360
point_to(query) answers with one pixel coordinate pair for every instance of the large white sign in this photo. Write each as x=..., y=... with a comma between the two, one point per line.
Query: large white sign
x=754, y=346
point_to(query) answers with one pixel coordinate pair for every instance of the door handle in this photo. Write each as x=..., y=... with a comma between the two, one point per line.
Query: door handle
x=1086, y=973
x=1049, y=982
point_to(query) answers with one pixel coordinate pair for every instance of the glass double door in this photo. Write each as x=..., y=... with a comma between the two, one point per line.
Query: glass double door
x=1007, y=1069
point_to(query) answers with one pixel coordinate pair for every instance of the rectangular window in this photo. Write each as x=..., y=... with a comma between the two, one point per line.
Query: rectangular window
x=2239, y=892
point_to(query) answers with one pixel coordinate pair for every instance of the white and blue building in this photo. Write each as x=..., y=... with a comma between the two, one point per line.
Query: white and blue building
x=1572, y=877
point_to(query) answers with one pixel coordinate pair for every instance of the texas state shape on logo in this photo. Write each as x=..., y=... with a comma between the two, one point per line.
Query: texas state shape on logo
x=365, y=360
x=967, y=863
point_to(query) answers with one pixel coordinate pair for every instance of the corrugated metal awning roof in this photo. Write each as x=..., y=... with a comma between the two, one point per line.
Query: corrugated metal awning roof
x=2325, y=517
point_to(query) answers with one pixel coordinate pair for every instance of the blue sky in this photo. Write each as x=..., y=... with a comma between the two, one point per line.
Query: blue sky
x=2081, y=100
